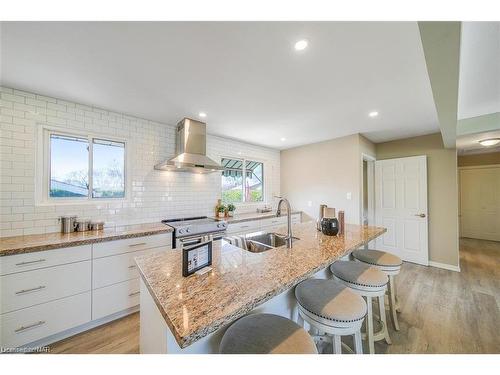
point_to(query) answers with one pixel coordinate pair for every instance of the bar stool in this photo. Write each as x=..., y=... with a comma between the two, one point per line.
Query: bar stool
x=390, y=265
x=331, y=309
x=266, y=334
x=368, y=282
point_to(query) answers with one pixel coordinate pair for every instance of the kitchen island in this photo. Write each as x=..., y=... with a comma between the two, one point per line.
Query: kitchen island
x=190, y=314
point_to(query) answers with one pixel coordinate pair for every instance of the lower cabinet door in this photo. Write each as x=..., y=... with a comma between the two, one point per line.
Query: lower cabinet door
x=114, y=298
x=34, y=323
x=25, y=289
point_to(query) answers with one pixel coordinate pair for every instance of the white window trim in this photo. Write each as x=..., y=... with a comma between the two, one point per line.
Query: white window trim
x=42, y=166
x=264, y=177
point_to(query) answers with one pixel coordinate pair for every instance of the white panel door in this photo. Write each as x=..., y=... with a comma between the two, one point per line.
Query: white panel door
x=401, y=207
x=480, y=203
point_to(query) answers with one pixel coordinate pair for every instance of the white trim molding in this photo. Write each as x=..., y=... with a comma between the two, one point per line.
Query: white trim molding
x=444, y=266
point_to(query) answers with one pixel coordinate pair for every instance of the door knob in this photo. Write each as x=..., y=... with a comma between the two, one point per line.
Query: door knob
x=420, y=215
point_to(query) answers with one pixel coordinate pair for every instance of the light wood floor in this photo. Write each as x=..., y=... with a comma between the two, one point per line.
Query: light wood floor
x=442, y=311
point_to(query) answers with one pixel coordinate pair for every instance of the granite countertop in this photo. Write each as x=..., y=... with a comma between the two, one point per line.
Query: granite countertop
x=49, y=241
x=249, y=216
x=195, y=306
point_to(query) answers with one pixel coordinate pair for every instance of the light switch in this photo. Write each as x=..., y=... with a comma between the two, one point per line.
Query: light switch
x=349, y=196
x=309, y=203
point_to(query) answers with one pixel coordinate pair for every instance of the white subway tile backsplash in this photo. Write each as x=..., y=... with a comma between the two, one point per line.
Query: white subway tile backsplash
x=153, y=195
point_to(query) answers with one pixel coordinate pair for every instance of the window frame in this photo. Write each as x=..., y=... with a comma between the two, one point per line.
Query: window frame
x=264, y=183
x=43, y=168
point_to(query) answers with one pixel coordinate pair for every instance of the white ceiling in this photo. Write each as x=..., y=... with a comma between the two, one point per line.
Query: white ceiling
x=246, y=76
x=479, y=90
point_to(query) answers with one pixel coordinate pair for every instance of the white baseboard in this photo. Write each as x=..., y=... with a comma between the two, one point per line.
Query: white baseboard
x=444, y=266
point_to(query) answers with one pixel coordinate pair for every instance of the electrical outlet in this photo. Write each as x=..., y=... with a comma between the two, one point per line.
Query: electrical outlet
x=349, y=196
x=309, y=203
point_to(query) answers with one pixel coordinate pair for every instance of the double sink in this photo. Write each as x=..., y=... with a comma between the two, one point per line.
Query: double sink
x=260, y=242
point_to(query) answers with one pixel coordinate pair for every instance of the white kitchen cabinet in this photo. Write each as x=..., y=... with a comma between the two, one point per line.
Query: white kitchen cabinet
x=114, y=298
x=243, y=227
x=118, y=268
x=273, y=222
x=60, y=292
x=25, y=289
x=261, y=224
x=37, y=322
x=128, y=245
x=42, y=259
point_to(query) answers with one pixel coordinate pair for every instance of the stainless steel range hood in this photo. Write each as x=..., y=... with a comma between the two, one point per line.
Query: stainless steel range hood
x=190, y=150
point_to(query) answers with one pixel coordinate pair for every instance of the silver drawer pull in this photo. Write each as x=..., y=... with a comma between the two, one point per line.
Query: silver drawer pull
x=131, y=267
x=244, y=226
x=30, y=262
x=138, y=244
x=24, y=328
x=134, y=294
x=31, y=290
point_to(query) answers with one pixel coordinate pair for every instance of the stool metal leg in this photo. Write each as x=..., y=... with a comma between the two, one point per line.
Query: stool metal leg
x=358, y=346
x=383, y=319
x=369, y=325
x=392, y=303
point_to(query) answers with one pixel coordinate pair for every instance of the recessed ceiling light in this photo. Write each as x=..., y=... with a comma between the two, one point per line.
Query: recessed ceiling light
x=373, y=114
x=301, y=45
x=489, y=142
x=283, y=139
x=202, y=114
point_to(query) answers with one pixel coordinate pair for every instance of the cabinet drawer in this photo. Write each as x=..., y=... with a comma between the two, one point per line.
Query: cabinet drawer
x=118, y=268
x=104, y=249
x=24, y=289
x=115, y=298
x=41, y=259
x=34, y=323
x=273, y=221
x=246, y=226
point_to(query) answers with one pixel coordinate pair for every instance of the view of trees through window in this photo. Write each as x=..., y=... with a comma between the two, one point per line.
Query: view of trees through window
x=70, y=167
x=242, y=181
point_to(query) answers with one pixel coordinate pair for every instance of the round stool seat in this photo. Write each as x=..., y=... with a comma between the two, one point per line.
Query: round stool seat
x=377, y=258
x=359, y=274
x=266, y=334
x=330, y=300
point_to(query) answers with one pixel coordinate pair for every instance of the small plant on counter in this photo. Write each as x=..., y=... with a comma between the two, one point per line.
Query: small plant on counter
x=221, y=210
x=230, y=209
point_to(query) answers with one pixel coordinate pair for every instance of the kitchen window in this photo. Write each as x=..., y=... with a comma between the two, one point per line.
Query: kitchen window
x=83, y=167
x=242, y=181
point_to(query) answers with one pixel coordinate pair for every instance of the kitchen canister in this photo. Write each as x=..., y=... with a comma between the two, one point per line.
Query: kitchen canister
x=96, y=225
x=330, y=226
x=67, y=224
x=341, y=222
x=82, y=225
x=329, y=223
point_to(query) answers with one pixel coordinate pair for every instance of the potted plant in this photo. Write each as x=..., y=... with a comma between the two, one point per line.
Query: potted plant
x=230, y=209
x=221, y=211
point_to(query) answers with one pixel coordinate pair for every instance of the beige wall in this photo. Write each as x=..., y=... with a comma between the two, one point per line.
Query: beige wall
x=479, y=159
x=323, y=173
x=442, y=191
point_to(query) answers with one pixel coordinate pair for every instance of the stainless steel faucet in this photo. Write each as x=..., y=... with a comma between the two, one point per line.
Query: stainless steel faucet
x=288, y=237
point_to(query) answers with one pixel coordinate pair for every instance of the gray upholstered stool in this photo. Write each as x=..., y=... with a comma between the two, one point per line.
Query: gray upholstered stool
x=368, y=282
x=266, y=334
x=391, y=266
x=331, y=309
